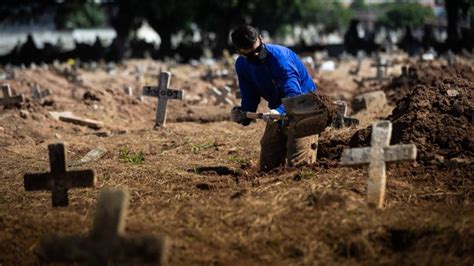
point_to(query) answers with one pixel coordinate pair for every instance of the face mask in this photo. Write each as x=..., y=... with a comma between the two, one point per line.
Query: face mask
x=258, y=59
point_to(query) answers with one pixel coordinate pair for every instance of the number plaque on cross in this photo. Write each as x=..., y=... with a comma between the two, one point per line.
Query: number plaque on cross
x=380, y=152
x=59, y=180
x=164, y=94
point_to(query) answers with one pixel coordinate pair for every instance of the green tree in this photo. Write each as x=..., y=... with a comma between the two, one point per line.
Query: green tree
x=79, y=14
x=403, y=15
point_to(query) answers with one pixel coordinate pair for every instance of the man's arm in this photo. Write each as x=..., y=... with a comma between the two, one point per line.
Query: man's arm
x=250, y=98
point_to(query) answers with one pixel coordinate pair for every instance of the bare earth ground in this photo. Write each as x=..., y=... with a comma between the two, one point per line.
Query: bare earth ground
x=198, y=183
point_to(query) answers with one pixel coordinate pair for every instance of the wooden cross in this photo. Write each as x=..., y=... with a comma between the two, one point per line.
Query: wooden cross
x=106, y=242
x=221, y=95
x=59, y=180
x=342, y=120
x=376, y=156
x=8, y=99
x=163, y=93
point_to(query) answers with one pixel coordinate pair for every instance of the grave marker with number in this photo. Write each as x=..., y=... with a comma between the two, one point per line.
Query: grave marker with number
x=164, y=94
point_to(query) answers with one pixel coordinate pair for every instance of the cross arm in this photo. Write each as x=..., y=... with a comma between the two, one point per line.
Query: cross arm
x=82, y=178
x=42, y=181
x=359, y=156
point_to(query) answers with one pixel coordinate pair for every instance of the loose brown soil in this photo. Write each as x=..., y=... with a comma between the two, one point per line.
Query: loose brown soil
x=198, y=182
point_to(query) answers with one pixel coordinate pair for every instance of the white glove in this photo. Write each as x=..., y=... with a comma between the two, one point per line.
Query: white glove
x=267, y=118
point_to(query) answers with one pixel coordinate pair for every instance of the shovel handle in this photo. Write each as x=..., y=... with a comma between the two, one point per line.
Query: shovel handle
x=251, y=115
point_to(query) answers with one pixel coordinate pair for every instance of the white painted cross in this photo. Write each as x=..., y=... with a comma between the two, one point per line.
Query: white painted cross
x=376, y=156
x=59, y=180
x=38, y=94
x=106, y=242
x=8, y=99
x=221, y=95
x=163, y=93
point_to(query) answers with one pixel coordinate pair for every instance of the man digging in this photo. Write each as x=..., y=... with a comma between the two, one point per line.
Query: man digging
x=272, y=72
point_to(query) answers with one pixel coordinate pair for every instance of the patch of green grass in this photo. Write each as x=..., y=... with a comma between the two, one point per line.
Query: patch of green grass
x=197, y=148
x=304, y=173
x=131, y=157
x=243, y=162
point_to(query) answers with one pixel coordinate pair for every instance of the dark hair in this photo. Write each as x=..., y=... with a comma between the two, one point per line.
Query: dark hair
x=244, y=37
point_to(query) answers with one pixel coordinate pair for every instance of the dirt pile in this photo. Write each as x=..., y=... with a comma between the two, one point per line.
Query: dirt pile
x=423, y=74
x=436, y=114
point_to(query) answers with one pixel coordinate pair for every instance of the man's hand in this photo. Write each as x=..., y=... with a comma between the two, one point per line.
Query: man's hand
x=238, y=115
x=267, y=116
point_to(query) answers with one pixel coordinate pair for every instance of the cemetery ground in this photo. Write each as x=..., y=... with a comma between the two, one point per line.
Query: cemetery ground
x=195, y=180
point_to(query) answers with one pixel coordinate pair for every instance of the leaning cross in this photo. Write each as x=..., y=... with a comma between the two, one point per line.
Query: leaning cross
x=59, y=180
x=376, y=156
x=8, y=99
x=38, y=93
x=342, y=120
x=163, y=93
x=106, y=242
x=221, y=95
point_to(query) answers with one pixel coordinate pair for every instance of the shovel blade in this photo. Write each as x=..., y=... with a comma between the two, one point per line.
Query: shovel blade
x=311, y=125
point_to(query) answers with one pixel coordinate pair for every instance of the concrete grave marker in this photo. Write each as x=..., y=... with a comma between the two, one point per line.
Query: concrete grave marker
x=8, y=99
x=376, y=156
x=38, y=94
x=59, y=180
x=369, y=101
x=106, y=242
x=342, y=120
x=221, y=95
x=164, y=94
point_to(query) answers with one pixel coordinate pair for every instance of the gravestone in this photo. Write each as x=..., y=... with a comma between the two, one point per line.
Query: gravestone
x=59, y=180
x=38, y=93
x=376, y=156
x=369, y=101
x=107, y=242
x=8, y=99
x=342, y=120
x=222, y=95
x=164, y=94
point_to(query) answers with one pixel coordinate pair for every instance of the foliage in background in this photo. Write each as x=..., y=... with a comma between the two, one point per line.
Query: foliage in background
x=401, y=15
x=80, y=15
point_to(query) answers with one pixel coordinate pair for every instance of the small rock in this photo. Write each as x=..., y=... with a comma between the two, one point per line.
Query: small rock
x=439, y=158
x=452, y=93
x=2, y=129
x=24, y=114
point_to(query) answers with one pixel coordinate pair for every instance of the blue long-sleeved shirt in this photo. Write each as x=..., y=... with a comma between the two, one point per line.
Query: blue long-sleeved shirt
x=283, y=75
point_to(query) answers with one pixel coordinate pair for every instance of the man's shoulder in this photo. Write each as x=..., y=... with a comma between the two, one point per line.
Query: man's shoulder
x=278, y=49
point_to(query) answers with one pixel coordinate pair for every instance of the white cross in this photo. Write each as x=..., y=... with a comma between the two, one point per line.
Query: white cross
x=376, y=156
x=8, y=99
x=107, y=241
x=163, y=93
x=221, y=95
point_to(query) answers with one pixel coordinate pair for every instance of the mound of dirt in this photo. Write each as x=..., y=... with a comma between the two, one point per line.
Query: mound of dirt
x=423, y=74
x=436, y=115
